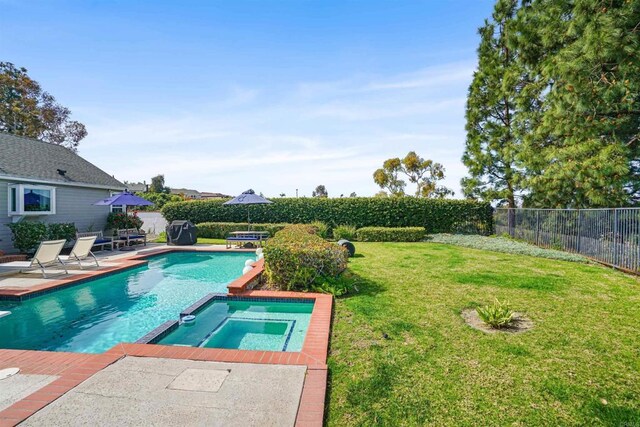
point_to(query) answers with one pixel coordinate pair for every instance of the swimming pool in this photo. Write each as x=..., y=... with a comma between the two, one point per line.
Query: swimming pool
x=94, y=316
x=246, y=324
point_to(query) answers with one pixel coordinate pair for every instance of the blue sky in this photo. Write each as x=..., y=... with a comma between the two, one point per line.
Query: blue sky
x=271, y=95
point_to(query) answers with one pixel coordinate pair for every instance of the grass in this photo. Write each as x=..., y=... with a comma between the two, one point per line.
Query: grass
x=401, y=354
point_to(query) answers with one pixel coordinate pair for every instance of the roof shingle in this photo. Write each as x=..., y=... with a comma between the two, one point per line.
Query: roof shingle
x=33, y=159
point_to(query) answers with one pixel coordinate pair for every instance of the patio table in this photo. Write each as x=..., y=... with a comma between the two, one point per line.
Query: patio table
x=239, y=237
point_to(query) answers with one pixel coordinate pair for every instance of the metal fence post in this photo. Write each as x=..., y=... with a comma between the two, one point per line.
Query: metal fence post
x=615, y=237
x=579, y=229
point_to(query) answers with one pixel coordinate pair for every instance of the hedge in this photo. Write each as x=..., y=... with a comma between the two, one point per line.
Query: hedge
x=220, y=230
x=435, y=215
x=387, y=234
x=298, y=259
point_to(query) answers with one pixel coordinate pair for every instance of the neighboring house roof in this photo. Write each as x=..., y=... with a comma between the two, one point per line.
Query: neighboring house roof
x=32, y=159
x=185, y=192
x=207, y=195
x=137, y=187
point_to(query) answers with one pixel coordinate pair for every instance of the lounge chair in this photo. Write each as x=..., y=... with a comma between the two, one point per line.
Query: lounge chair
x=47, y=255
x=81, y=251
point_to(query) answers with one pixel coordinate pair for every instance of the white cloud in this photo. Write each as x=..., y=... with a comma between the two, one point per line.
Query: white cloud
x=332, y=133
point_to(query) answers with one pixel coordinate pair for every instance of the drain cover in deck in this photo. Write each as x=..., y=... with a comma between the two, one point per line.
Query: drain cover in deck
x=209, y=380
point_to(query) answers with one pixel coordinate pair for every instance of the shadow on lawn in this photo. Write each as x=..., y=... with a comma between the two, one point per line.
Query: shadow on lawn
x=612, y=415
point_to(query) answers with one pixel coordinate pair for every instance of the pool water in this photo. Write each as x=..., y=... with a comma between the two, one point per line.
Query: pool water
x=123, y=307
x=246, y=325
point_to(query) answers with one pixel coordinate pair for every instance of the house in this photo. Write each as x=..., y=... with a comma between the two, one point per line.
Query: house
x=207, y=195
x=186, y=193
x=137, y=187
x=49, y=183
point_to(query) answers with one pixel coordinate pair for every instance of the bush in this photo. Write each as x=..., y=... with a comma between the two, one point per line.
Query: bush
x=498, y=315
x=27, y=235
x=220, y=230
x=436, y=215
x=120, y=220
x=322, y=229
x=59, y=231
x=347, y=232
x=298, y=259
x=158, y=200
x=387, y=234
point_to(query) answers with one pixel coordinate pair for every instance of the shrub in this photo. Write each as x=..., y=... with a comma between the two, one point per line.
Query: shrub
x=387, y=234
x=220, y=230
x=59, y=231
x=322, y=229
x=120, y=220
x=347, y=232
x=436, y=215
x=498, y=315
x=298, y=259
x=158, y=200
x=27, y=235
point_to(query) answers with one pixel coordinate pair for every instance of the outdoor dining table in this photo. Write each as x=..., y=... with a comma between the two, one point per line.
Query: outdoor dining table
x=240, y=237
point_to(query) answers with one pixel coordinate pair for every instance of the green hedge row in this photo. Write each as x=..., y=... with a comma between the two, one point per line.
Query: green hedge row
x=386, y=234
x=298, y=259
x=220, y=230
x=435, y=215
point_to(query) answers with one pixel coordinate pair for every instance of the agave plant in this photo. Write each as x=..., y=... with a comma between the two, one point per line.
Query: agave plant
x=498, y=315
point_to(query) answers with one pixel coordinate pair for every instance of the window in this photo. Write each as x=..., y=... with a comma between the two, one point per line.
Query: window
x=27, y=199
x=116, y=208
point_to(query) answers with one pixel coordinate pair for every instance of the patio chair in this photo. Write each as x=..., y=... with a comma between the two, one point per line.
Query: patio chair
x=81, y=251
x=131, y=235
x=47, y=255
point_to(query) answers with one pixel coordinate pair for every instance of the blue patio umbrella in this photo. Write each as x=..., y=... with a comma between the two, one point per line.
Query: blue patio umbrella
x=125, y=199
x=248, y=198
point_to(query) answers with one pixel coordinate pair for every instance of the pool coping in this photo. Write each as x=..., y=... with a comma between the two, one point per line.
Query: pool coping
x=238, y=285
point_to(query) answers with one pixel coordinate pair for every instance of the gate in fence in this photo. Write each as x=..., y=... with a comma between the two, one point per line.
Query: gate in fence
x=611, y=236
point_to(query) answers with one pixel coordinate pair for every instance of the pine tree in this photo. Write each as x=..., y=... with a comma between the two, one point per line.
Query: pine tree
x=585, y=149
x=493, y=142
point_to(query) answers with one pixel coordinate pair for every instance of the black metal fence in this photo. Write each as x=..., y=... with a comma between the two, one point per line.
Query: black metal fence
x=611, y=236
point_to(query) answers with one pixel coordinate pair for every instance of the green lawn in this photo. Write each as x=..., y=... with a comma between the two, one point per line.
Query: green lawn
x=401, y=354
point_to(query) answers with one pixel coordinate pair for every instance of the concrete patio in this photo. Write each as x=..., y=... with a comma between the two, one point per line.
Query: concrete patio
x=152, y=391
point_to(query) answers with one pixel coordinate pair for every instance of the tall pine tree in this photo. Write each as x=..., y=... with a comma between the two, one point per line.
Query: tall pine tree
x=585, y=149
x=493, y=141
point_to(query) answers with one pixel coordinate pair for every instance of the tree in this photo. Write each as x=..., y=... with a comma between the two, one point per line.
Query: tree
x=493, y=143
x=157, y=185
x=353, y=194
x=320, y=191
x=27, y=110
x=425, y=174
x=585, y=150
x=283, y=195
